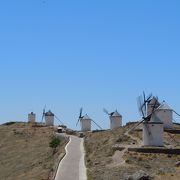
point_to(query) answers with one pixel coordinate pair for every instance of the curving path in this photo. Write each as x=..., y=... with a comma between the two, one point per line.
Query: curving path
x=72, y=167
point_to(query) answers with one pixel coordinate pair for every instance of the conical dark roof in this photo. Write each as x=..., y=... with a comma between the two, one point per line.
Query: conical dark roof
x=49, y=113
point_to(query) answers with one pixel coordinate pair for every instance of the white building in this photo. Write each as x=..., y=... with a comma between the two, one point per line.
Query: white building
x=85, y=123
x=115, y=120
x=31, y=117
x=49, y=118
x=165, y=114
x=153, y=134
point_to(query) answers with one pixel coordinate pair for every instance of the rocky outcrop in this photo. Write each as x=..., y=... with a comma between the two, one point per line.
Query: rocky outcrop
x=140, y=175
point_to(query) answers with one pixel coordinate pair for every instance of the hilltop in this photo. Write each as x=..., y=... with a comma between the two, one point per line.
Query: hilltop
x=108, y=157
x=25, y=152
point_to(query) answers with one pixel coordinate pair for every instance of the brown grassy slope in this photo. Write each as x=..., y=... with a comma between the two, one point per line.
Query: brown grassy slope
x=25, y=153
x=102, y=166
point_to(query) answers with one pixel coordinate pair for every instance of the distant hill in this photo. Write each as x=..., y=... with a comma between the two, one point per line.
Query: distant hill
x=25, y=152
x=108, y=158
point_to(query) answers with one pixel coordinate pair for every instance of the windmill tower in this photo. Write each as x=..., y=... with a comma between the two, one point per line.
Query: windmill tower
x=165, y=114
x=85, y=122
x=152, y=125
x=49, y=117
x=31, y=117
x=153, y=133
x=115, y=119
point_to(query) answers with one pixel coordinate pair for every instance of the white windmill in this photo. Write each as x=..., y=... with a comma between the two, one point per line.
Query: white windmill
x=115, y=119
x=50, y=118
x=165, y=114
x=85, y=122
x=31, y=117
x=152, y=125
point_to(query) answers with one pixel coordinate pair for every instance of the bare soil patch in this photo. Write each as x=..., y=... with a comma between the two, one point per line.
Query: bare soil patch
x=108, y=158
x=25, y=153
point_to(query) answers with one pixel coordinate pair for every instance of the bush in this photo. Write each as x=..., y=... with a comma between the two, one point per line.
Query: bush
x=9, y=123
x=55, y=142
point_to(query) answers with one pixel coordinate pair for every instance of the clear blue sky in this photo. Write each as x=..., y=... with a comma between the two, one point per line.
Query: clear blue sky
x=94, y=53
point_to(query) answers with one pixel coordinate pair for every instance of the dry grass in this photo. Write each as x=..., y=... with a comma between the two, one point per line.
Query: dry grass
x=25, y=153
x=100, y=156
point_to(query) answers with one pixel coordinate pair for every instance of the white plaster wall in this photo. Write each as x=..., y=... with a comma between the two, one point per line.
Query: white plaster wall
x=49, y=120
x=166, y=116
x=115, y=122
x=153, y=134
x=31, y=118
x=85, y=125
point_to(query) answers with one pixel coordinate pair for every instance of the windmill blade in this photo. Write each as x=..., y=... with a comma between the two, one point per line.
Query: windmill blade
x=78, y=122
x=44, y=107
x=146, y=100
x=155, y=104
x=80, y=113
x=136, y=125
x=141, y=104
x=145, y=104
x=144, y=96
x=42, y=118
x=176, y=113
x=174, y=121
x=173, y=138
x=148, y=118
x=43, y=114
x=105, y=111
x=144, y=109
x=96, y=124
x=149, y=97
x=58, y=119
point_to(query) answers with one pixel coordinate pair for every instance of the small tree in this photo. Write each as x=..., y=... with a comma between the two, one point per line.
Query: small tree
x=54, y=143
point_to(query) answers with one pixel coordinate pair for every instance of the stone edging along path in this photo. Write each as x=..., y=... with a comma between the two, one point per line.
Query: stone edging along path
x=60, y=158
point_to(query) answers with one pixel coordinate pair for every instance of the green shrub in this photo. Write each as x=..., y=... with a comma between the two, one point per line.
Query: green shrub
x=55, y=142
x=9, y=123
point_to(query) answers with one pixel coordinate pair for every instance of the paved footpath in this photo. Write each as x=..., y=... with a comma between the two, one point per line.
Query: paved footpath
x=72, y=167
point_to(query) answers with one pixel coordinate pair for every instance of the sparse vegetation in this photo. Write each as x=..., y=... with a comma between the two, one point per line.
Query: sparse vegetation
x=25, y=153
x=55, y=142
x=106, y=157
x=9, y=123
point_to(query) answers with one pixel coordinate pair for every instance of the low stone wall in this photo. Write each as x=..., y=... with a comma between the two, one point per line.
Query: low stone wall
x=156, y=150
x=172, y=131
